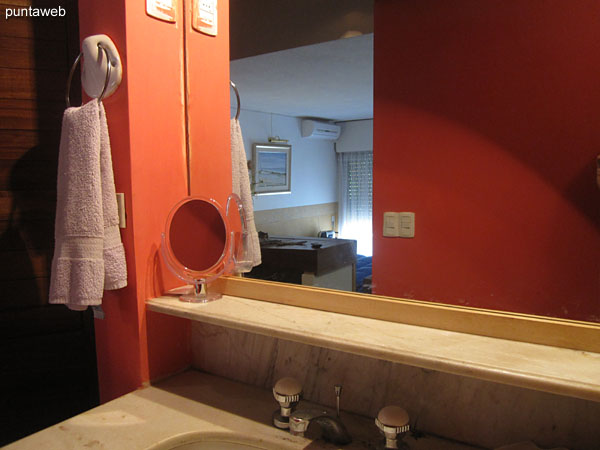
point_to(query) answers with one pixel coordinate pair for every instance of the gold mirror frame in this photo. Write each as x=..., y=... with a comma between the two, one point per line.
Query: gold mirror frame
x=562, y=333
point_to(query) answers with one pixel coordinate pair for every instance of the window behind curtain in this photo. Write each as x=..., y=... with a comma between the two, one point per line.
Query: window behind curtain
x=355, y=193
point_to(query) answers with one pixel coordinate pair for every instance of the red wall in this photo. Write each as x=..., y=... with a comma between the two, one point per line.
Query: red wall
x=487, y=126
x=208, y=109
x=146, y=119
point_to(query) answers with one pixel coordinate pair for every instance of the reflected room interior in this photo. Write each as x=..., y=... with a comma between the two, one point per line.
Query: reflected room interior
x=317, y=231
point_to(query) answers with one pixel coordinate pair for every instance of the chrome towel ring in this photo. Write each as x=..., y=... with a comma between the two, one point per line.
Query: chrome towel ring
x=72, y=71
x=237, y=96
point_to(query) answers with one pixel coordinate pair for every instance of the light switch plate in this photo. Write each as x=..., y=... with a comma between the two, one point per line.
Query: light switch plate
x=204, y=16
x=399, y=224
x=121, y=210
x=162, y=9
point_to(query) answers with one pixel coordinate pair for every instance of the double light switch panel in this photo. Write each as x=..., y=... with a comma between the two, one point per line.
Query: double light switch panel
x=399, y=224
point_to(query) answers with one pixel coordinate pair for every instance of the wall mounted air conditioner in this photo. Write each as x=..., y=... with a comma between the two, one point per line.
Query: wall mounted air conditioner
x=314, y=129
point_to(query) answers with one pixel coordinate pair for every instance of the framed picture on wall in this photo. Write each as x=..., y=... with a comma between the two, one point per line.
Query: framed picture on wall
x=271, y=169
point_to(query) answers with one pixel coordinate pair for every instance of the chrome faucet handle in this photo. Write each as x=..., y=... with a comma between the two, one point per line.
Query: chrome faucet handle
x=393, y=423
x=288, y=392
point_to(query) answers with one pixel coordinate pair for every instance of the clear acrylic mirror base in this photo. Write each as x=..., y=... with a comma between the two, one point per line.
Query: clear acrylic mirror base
x=195, y=291
x=198, y=294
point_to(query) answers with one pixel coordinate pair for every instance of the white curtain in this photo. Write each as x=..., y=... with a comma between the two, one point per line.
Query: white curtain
x=355, y=175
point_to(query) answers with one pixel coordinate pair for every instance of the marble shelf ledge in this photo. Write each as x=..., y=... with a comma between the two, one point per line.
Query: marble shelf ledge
x=560, y=371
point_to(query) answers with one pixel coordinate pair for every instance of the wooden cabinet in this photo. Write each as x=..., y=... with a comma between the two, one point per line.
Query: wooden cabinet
x=311, y=261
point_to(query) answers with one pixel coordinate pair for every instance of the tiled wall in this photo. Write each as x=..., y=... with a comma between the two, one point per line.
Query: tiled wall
x=296, y=221
x=455, y=407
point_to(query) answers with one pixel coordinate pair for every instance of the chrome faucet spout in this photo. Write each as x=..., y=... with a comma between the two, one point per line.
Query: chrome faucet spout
x=332, y=428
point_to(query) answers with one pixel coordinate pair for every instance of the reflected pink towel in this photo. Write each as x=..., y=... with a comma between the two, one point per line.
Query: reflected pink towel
x=241, y=187
x=88, y=255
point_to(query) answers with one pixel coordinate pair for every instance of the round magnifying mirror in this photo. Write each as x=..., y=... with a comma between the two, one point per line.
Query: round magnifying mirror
x=195, y=244
x=198, y=235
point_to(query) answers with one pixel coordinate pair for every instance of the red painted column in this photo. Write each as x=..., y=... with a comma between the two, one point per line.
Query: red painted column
x=208, y=108
x=146, y=119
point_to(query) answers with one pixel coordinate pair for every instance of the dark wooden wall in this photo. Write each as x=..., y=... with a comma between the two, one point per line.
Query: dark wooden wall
x=47, y=353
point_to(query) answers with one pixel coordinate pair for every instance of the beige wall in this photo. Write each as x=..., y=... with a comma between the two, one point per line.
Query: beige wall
x=297, y=221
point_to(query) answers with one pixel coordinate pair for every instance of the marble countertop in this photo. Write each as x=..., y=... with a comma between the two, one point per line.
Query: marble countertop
x=193, y=406
x=561, y=371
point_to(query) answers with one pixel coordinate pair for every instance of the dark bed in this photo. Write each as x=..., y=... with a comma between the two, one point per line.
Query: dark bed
x=364, y=268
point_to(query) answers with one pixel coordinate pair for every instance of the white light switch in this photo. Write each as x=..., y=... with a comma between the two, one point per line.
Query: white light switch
x=399, y=224
x=204, y=16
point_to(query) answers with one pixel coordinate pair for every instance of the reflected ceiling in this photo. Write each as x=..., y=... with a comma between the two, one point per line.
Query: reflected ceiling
x=332, y=80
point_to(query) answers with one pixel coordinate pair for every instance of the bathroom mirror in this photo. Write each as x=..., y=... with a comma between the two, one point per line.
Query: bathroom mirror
x=454, y=93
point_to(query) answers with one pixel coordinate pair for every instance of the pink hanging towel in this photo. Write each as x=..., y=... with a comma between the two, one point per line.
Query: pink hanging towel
x=88, y=256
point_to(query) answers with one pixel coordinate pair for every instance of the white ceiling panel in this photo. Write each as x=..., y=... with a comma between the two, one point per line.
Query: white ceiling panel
x=331, y=80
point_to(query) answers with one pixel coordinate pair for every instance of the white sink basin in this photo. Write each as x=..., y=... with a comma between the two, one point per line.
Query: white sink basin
x=212, y=441
x=216, y=445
